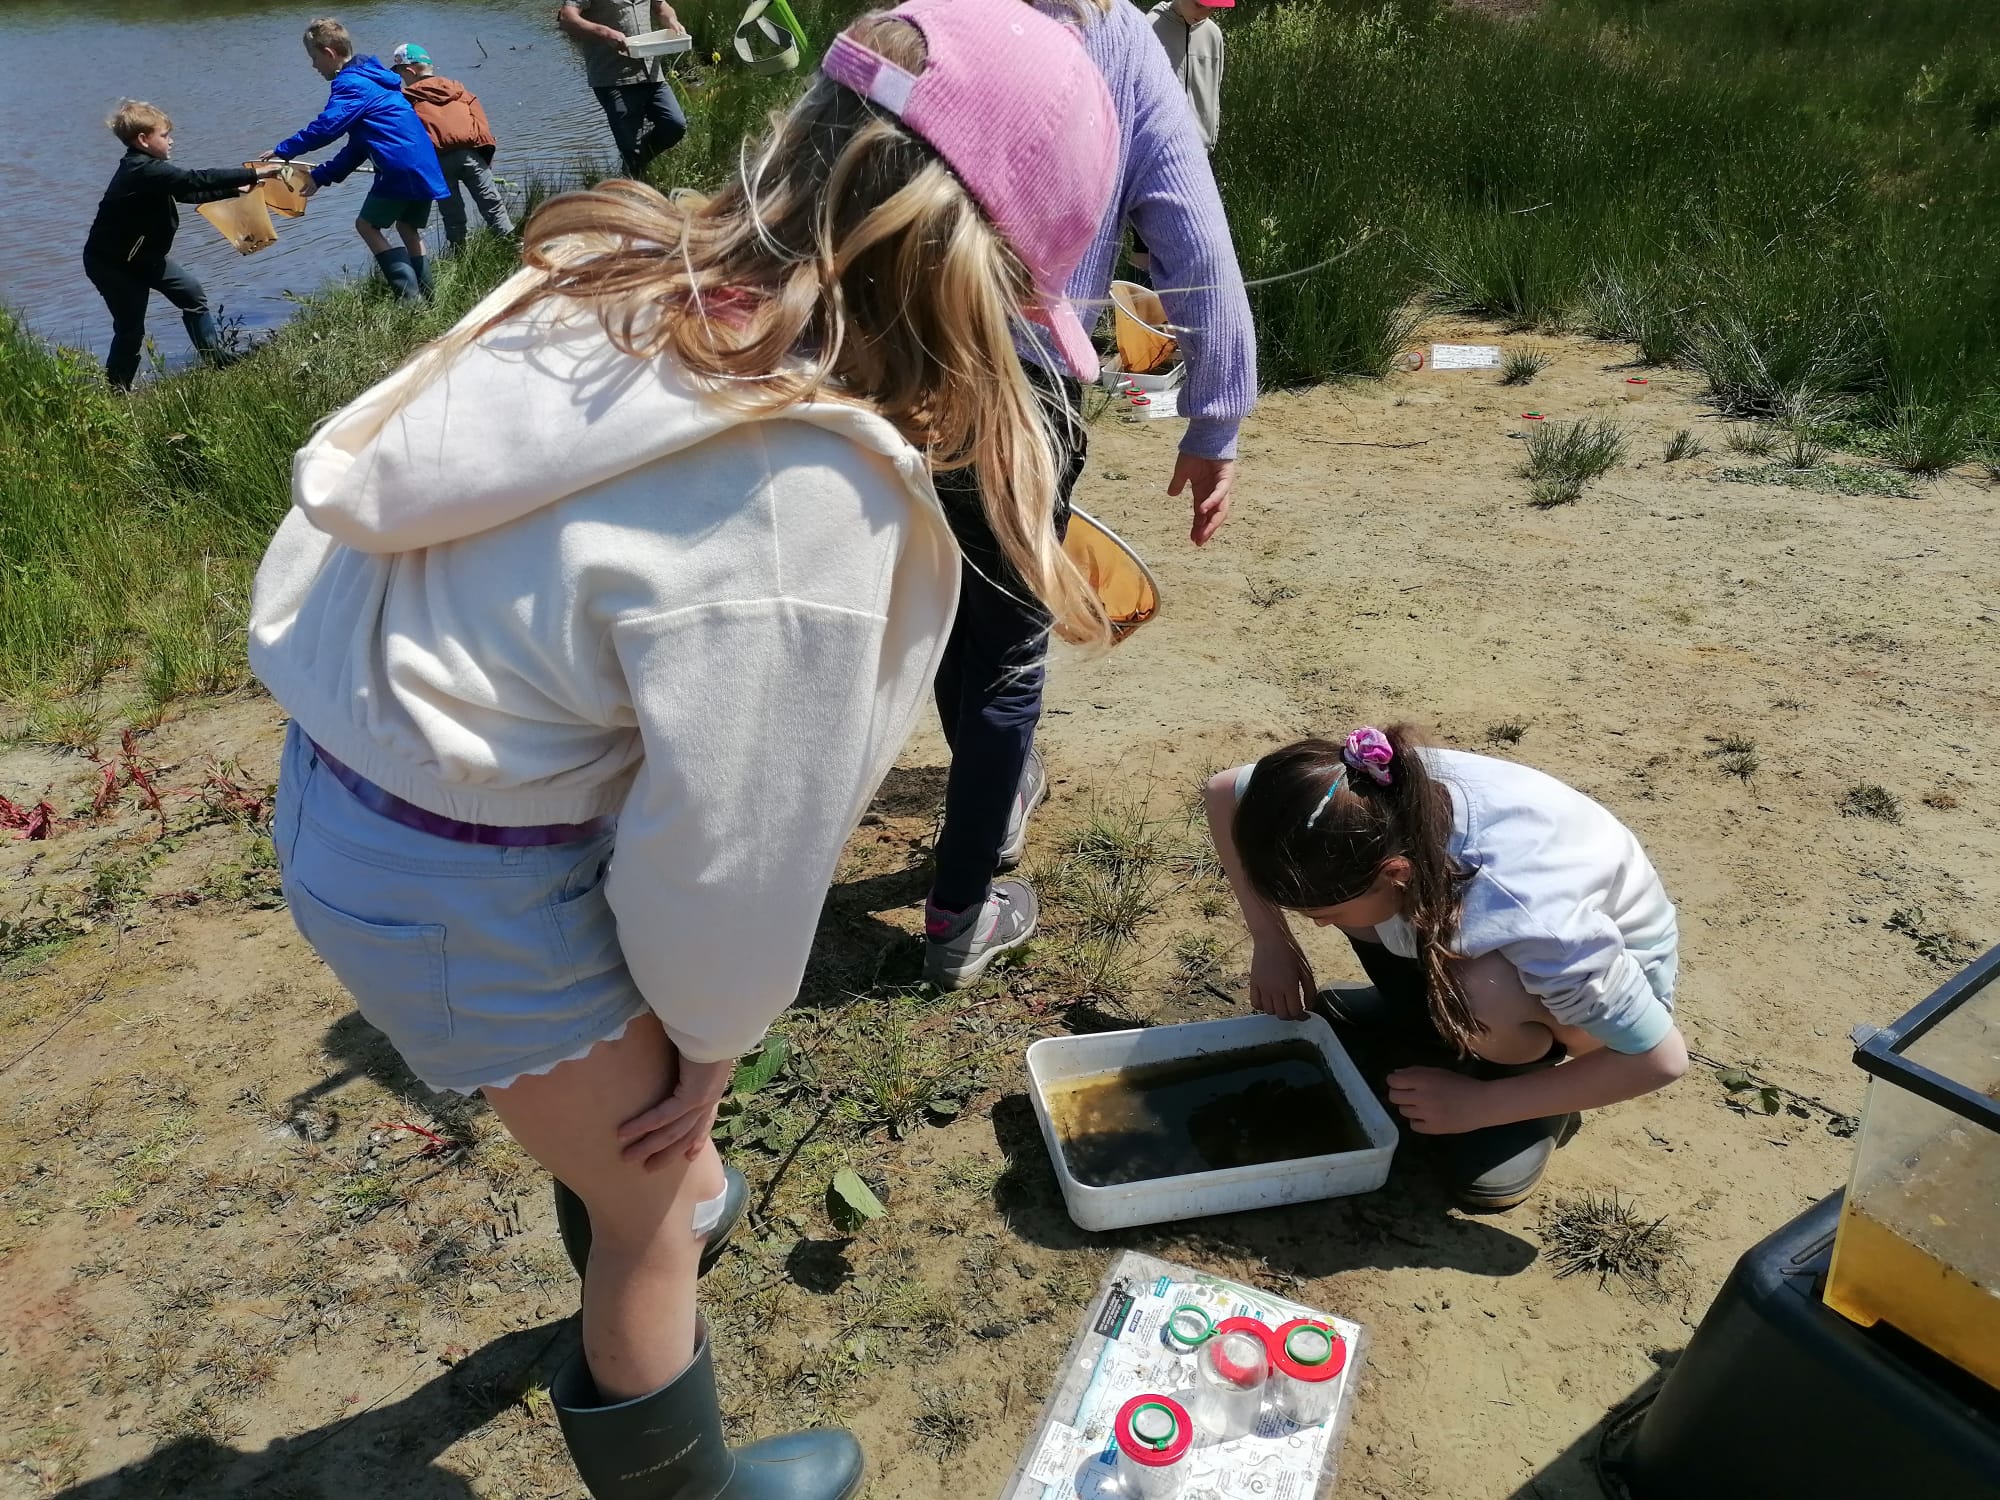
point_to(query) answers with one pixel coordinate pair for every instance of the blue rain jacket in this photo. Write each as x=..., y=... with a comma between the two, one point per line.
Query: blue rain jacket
x=367, y=106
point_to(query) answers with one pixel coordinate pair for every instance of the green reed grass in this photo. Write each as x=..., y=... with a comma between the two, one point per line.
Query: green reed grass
x=129, y=527
x=1794, y=195
x=1800, y=199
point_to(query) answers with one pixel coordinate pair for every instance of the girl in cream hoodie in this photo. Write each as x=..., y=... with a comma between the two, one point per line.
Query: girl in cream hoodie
x=600, y=623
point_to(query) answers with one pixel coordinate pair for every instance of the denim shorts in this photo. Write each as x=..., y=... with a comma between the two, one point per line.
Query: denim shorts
x=480, y=964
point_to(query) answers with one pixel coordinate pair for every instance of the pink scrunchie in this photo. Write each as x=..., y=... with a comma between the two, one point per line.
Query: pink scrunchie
x=1368, y=751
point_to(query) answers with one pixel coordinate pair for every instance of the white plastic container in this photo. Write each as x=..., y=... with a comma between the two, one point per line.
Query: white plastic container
x=1153, y=1434
x=1230, y=1373
x=1304, y=1179
x=1306, y=1362
x=658, y=43
x=1112, y=375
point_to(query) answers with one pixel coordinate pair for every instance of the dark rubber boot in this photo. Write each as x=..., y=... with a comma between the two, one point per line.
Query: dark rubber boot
x=203, y=332
x=573, y=1222
x=668, y=1445
x=1498, y=1167
x=398, y=271
x=421, y=264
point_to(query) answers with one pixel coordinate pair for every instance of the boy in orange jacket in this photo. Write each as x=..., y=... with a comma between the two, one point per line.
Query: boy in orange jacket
x=452, y=114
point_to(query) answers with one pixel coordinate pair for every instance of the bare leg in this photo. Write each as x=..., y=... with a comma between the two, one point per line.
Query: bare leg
x=1519, y=1027
x=638, y=1300
x=413, y=239
x=373, y=238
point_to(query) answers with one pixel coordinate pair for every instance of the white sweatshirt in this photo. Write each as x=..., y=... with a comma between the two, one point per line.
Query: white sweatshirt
x=1563, y=891
x=559, y=583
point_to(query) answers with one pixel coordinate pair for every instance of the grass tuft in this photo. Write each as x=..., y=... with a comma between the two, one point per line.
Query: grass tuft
x=1547, y=494
x=1565, y=456
x=946, y=1422
x=1683, y=444
x=1736, y=755
x=1523, y=364
x=1866, y=799
x=1598, y=1235
x=1751, y=441
x=1927, y=440
x=1742, y=764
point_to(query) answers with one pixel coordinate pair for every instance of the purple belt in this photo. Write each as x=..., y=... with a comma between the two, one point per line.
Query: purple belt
x=394, y=808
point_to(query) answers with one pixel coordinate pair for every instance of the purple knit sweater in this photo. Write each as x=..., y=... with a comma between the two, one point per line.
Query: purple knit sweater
x=1167, y=190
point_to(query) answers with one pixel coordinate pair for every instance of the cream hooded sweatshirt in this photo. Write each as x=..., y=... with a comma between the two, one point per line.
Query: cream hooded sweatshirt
x=554, y=582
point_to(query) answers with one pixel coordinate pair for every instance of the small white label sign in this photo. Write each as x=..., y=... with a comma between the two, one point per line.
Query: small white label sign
x=1465, y=357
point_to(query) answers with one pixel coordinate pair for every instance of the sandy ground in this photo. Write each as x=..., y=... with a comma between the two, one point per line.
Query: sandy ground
x=228, y=1269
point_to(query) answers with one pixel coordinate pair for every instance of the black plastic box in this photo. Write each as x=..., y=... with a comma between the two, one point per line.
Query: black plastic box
x=1779, y=1396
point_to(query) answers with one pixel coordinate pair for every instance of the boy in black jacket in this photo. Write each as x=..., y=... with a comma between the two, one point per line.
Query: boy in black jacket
x=125, y=256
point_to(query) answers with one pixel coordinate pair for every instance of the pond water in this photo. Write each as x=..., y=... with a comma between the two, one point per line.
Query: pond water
x=235, y=79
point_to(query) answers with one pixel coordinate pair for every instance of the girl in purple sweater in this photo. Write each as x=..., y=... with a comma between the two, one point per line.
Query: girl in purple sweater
x=989, y=686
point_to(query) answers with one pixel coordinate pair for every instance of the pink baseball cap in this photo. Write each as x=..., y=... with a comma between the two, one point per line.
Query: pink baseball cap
x=1020, y=114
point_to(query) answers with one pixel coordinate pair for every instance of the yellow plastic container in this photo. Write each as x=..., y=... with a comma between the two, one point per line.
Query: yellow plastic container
x=1918, y=1245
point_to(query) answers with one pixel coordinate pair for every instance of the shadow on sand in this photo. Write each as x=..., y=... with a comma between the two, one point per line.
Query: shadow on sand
x=386, y=1449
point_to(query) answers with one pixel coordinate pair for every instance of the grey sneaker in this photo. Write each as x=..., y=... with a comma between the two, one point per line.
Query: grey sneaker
x=958, y=949
x=1032, y=792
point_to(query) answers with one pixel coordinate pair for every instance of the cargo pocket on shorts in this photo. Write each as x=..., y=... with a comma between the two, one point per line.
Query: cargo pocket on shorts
x=394, y=971
x=583, y=919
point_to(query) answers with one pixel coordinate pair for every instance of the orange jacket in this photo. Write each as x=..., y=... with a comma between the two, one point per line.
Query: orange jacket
x=452, y=114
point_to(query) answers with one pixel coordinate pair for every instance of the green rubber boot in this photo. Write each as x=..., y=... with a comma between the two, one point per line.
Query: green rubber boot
x=573, y=1222
x=399, y=272
x=668, y=1445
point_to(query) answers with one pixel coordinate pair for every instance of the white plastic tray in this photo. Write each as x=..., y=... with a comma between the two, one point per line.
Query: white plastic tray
x=1111, y=375
x=1058, y=1059
x=657, y=43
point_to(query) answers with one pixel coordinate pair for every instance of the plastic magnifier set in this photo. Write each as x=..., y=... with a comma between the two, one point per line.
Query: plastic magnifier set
x=1239, y=1365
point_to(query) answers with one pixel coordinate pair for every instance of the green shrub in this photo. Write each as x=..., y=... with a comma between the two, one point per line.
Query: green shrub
x=1683, y=444
x=1573, y=453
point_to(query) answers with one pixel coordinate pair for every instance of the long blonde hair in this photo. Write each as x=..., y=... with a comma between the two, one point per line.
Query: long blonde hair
x=844, y=262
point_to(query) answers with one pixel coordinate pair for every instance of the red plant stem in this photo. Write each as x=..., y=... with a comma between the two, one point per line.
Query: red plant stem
x=437, y=1142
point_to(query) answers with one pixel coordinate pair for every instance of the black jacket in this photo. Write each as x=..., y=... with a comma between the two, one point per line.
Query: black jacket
x=137, y=219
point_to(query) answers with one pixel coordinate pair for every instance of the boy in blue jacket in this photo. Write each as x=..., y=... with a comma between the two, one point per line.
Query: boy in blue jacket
x=367, y=106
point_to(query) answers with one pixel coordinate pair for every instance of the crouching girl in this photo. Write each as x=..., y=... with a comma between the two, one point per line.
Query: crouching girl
x=1508, y=922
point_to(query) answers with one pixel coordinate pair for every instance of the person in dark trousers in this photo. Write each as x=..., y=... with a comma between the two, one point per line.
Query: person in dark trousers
x=367, y=106
x=459, y=129
x=640, y=105
x=989, y=684
x=126, y=254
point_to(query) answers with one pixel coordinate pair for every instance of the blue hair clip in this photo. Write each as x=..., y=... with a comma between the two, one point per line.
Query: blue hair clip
x=1339, y=777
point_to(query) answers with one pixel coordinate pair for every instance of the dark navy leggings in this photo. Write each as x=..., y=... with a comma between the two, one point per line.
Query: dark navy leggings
x=989, y=685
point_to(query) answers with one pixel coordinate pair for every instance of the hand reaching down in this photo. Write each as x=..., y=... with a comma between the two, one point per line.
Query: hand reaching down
x=683, y=1121
x=1212, y=480
x=1281, y=980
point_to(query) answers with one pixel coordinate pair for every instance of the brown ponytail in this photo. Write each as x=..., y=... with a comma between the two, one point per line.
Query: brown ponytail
x=1303, y=852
